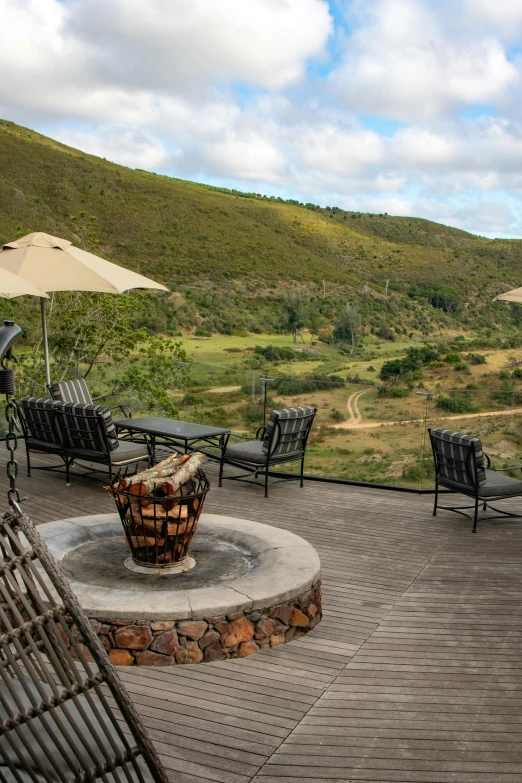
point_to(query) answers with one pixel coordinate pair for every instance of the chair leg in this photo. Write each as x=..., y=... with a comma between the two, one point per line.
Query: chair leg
x=28, y=461
x=221, y=466
x=436, y=498
x=475, y=520
x=302, y=472
x=266, y=481
x=67, y=471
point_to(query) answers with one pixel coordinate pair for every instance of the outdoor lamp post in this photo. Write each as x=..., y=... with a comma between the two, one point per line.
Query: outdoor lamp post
x=265, y=381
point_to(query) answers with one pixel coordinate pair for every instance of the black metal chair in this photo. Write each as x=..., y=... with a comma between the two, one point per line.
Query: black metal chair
x=459, y=467
x=76, y=390
x=65, y=716
x=284, y=439
x=89, y=435
x=76, y=432
x=37, y=418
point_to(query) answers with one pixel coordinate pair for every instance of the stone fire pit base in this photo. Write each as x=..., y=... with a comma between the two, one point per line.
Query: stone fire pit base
x=253, y=586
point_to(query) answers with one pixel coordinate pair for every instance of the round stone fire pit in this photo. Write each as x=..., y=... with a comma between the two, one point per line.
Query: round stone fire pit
x=253, y=586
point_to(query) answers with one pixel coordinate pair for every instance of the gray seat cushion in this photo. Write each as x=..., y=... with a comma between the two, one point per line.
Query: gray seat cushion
x=252, y=451
x=124, y=452
x=249, y=451
x=499, y=484
x=128, y=451
x=44, y=737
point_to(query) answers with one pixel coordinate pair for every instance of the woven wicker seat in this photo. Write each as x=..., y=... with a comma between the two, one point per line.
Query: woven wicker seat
x=57, y=723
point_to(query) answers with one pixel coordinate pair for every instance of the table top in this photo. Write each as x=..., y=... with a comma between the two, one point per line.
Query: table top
x=170, y=428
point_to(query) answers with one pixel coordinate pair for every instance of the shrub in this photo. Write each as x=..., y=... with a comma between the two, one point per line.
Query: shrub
x=398, y=393
x=454, y=403
x=462, y=367
x=476, y=358
x=337, y=416
x=452, y=358
x=308, y=384
x=411, y=365
x=276, y=353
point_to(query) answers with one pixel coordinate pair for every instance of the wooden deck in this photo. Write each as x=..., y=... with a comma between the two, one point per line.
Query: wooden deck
x=413, y=676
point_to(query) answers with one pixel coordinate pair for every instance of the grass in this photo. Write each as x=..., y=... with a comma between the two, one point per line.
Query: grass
x=182, y=232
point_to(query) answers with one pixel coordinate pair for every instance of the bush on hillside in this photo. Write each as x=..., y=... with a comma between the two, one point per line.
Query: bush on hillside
x=455, y=403
x=410, y=367
x=476, y=358
x=312, y=383
x=276, y=353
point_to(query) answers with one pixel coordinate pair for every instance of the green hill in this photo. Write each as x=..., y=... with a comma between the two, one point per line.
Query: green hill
x=227, y=254
x=181, y=231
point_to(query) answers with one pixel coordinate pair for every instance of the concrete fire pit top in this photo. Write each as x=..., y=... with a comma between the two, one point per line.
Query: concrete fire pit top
x=240, y=566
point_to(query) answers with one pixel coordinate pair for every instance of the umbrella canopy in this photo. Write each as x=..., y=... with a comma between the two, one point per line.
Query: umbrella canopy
x=11, y=285
x=510, y=296
x=54, y=264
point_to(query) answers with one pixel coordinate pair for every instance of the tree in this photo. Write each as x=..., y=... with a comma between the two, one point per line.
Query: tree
x=295, y=305
x=94, y=336
x=350, y=329
x=161, y=366
x=84, y=229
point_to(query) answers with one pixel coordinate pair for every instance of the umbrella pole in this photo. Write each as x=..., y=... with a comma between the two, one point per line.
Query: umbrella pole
x=45, y=345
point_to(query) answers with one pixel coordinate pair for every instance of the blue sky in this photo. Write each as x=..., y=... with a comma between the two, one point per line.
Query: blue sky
x=405, y=106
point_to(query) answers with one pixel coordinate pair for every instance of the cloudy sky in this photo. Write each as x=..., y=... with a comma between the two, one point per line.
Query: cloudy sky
x=412, y=107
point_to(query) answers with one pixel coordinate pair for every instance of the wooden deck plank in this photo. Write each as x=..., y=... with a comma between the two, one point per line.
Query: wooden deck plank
x=413, y=676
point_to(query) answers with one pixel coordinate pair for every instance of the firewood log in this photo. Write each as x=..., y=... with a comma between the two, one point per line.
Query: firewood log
x=164, y=468
x=156, y=511
x=149, y=525
x=140, y=542
x=177, y=530
x=186, y=471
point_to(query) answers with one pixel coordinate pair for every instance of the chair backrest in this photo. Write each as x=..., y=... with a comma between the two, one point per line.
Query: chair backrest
x=64, y=714
x=38, y=419
x=459, y=459
x=86, y=428
x=287, y=431
x=71, y=391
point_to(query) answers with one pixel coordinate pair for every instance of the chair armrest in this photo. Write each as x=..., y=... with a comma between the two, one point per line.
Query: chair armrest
x=500, y=470
x=124, y=409
x=260, y=433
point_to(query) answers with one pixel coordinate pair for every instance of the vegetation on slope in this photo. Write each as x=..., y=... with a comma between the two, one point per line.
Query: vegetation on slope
x=230, y=256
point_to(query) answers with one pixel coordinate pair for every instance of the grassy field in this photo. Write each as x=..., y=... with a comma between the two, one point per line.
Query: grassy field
x=388, y=444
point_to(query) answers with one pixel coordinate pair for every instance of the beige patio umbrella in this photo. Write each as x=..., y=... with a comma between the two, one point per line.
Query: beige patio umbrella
x=54, y=264
x=510, y=296
x=12, y=285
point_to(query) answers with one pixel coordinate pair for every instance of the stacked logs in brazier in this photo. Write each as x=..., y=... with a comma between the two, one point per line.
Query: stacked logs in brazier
x=160, y=507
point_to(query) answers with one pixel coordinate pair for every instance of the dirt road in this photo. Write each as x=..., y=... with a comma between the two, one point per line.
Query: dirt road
x=355, y=423
x=355, y=416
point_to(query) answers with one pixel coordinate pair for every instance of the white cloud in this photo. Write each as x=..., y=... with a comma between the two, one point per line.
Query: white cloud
x=154, y=84
x=247, y=155
x=175, y=43
x=401, y=63
x=132, y=147
x=504, y=15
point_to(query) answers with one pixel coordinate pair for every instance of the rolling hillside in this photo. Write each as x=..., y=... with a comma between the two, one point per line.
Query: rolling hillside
x=180, y=232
